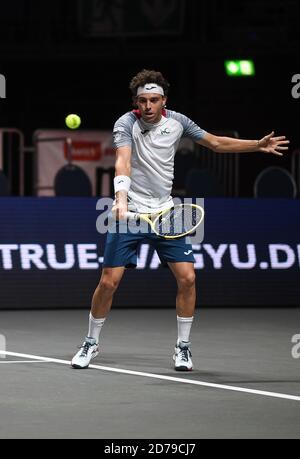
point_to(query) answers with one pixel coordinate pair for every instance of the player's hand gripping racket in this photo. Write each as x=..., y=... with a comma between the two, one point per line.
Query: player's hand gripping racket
x=179, y=221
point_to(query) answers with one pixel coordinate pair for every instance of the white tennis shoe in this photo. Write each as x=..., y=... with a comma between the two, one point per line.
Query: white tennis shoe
x=88, y=351
x=182, y=356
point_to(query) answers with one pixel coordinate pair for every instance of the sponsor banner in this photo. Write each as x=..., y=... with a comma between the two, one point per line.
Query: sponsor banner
x=51, y=255
x=91, y=150
x=84, y=151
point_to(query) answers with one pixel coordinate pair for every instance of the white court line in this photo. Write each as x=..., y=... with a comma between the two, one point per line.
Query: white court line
x=162, y=377
x=25, y=361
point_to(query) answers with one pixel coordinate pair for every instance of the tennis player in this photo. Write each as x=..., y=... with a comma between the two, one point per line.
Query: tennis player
x=146, y=140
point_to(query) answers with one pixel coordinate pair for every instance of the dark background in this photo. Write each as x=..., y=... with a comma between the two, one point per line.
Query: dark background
x=66, y=56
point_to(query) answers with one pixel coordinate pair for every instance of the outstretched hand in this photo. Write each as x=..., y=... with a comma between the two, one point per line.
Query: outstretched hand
x=274, y=145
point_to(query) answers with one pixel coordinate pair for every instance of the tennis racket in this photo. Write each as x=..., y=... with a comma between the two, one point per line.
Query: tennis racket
x=179, y=221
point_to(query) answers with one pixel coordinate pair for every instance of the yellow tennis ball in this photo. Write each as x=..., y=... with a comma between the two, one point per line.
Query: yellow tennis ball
x=73, y=121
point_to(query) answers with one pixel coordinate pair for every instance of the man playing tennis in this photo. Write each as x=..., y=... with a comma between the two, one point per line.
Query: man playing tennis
x=146, y=141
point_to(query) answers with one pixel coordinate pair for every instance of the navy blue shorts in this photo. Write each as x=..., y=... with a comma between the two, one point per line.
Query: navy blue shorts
x=121, y=249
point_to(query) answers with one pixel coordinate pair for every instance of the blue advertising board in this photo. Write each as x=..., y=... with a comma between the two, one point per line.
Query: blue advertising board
x=51, y=256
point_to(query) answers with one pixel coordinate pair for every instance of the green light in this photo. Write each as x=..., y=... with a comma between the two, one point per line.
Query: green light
x=247, y=68
x=240, y=68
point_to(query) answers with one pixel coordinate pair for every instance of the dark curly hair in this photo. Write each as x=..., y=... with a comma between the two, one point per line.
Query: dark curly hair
x=148, y=76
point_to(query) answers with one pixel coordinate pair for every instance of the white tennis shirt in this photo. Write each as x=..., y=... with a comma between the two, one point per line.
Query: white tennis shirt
x=153, y=149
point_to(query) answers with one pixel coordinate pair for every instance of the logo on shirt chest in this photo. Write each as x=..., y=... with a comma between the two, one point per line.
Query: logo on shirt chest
x=165, y=131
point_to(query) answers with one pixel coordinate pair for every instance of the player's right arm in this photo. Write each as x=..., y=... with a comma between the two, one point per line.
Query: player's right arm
x=122, y=140
x=122, y=180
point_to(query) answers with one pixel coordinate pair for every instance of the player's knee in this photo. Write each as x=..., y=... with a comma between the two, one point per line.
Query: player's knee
x=109, y=283
x=187, y=281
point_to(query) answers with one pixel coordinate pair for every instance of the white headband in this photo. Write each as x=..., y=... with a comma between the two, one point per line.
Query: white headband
x=150, y=87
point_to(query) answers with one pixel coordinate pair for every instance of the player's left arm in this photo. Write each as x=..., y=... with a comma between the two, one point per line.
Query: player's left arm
x=268, y=144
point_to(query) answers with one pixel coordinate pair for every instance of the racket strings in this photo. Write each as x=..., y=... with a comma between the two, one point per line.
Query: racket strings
x=178, y=221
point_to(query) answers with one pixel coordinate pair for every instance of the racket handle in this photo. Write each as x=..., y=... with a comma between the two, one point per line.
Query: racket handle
x=132, y=216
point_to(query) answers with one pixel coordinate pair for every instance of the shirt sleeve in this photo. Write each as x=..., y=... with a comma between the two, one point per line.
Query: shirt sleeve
x=122, y=132
x=190, y=129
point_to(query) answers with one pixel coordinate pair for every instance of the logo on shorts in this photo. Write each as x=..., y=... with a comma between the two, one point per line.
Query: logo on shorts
x=188, y=252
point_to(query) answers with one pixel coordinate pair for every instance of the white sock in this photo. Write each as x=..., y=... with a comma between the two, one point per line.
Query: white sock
x=95, y=326
x=184, y=325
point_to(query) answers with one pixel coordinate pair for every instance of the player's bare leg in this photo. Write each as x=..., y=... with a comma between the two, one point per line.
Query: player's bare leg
x=186, y=293
x=103, y=296
x=101, y=305
x=185, y=307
